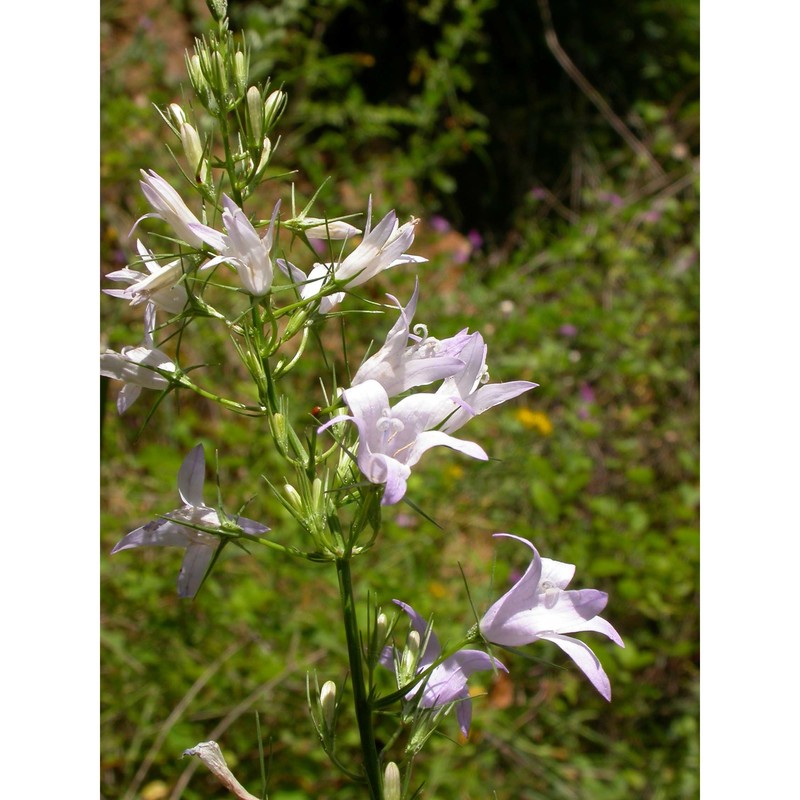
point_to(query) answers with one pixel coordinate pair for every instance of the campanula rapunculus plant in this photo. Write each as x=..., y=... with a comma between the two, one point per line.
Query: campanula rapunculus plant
x=346, y=463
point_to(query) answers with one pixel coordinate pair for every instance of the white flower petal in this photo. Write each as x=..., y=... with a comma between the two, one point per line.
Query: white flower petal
x=191, y=477
x=588, y=662
x=195, y=563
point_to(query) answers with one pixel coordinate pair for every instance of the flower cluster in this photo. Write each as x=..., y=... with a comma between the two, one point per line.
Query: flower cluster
x=538, y=606
x=392, y=438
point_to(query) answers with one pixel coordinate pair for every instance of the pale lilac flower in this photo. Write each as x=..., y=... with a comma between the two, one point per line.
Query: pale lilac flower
x=381, y=248
x=172, y=531
x=159, y=285
x=470, y=390
x=568, y=330
x=539, y=193
x=392, y=440
x=138, y=367
x=587, y=393
x=612, y=198
x=246, y=251
x=170, y=207
x=439, y=224
x=539, y=606
x=475, y=239
x=398, y=366
x=447, y=683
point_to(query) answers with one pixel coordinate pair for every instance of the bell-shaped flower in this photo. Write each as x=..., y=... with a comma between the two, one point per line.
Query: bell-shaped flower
x=381, y=248
x=172, y=529
x=398, y=366
x=539, y=606
x=392, y=440
x=469, y=388
x=447, y=682
x=246, y=251
x=170, y=207
x=159, y=285
x=138, y=367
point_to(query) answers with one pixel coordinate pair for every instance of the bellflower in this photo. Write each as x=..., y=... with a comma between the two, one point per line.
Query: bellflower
x=170, y=530
x=398, y=366
x=137, y=367
x=381, y=248
x=447, y=683
x=170, y=207
x=469, y=388
x=392, y=440
x=159, y=285
x=539, y=606
x=242, y=248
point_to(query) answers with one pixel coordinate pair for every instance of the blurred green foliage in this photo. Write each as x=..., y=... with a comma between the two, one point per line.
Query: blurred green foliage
x=587, y=283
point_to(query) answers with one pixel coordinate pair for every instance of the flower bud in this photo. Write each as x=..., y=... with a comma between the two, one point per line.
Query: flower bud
x=196, y=77
x=277, y=427
x=381, y=629
x=255, y=115
x=218, y=9
x=177, y=114
x=193, y=150
x=391, y=782
x=266, y=152
x=240, y=70
x=408, y=663
x=327, y=704
x=274, y=107
x=292, y=495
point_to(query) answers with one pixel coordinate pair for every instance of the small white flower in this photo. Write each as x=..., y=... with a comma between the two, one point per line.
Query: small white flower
x=170, y=207
x=138, y=367
x=246, y=251
x=398, y=366
x=159, y=285
x=381, y=248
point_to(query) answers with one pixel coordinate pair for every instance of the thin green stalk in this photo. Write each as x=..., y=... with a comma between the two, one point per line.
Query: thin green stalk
x=361, y=700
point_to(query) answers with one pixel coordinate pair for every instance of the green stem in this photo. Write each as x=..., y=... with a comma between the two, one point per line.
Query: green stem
x=239, y=408
x=360, y=698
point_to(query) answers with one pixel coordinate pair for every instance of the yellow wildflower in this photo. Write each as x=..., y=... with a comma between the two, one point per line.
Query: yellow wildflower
x=535, y=419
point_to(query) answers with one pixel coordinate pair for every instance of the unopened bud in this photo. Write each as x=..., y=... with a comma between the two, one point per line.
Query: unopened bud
x=320, y=229
x=293, y=497
x=274, y=106
x=177, y=114
x=193, y=150
x=381, y=629
x=277, y=427
x=327, y=704
x=218, y=9
x=220, y=74
x=391, y=782
x=240, y=70
x=198, y=79
x=408, y=664
x=266, y=152
x=255, y=115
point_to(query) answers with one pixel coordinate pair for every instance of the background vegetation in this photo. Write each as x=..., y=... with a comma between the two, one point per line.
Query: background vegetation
x=562, y=226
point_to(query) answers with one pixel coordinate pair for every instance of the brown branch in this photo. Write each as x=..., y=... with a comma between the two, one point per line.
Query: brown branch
x=594, y=96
